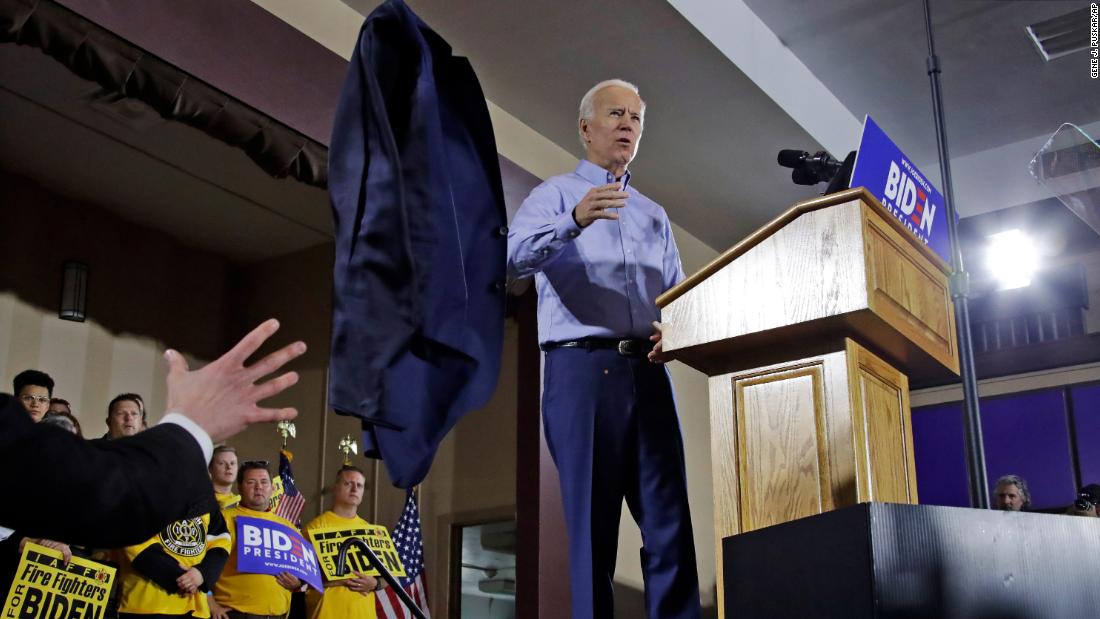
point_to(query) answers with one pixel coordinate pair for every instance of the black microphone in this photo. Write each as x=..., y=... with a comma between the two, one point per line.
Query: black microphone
x=789, y=158
x=809, y=169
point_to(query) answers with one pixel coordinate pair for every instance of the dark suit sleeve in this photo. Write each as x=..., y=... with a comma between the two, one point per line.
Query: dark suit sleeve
x=155, y=564
x=10, y=546
x=105, y=494
x=213, y=563
x=211, y=567
x=9, y=560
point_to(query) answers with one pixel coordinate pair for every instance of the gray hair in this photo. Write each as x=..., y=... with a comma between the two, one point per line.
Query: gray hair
x=1021, y=485
x=587, y=110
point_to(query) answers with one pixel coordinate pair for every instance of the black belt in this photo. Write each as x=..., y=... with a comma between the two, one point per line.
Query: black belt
x=630, y=347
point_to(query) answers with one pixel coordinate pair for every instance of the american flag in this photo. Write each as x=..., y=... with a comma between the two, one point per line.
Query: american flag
x=291, y=503
x=410, y=549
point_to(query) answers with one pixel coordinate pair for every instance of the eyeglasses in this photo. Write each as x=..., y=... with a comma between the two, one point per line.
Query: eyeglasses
x=31, y=399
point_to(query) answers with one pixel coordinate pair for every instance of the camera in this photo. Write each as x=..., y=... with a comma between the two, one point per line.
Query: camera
x=821, y=167
x=1084, y=502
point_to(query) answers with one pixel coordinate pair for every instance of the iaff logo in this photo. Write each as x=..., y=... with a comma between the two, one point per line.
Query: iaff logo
x=909, y=193
x=186, y=538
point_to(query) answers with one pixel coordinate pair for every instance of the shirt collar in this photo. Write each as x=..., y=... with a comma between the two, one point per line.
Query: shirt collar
x=597, y=175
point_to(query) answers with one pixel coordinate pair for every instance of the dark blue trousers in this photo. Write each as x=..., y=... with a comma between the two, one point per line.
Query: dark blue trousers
x=613, y=432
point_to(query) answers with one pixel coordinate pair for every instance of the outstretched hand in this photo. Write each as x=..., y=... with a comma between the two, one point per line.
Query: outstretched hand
x=222, y=397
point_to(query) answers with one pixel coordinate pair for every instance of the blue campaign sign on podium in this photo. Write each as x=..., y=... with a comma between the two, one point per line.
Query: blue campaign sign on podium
x=888, y=174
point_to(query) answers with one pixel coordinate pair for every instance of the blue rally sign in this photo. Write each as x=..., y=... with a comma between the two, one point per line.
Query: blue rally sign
x=888, y=174
x=266, y=547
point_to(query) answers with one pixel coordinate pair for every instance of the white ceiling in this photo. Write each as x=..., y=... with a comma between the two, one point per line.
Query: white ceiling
x=996, y=88
x=712, y=132
x=1001, y=100
x=715, y=121
x=711, y=137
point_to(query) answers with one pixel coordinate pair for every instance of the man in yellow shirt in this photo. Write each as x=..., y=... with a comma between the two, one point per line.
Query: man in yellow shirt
x=352, y=598
x=240, y=595
x=223, y=472
x=169, y=574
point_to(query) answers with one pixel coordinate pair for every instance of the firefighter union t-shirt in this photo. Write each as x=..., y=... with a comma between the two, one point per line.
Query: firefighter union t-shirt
x=185, y=541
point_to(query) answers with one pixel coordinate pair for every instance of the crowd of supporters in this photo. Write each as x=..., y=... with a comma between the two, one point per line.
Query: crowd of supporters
x=189, y=568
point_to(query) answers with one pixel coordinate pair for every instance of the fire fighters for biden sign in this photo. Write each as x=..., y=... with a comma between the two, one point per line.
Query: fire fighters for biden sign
x=888, y=174
x=266, y=547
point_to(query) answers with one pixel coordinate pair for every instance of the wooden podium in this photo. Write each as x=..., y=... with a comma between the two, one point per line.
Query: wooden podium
x=809, y=329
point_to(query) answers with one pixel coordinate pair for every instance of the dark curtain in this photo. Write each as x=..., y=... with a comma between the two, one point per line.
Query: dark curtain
x=97, y=55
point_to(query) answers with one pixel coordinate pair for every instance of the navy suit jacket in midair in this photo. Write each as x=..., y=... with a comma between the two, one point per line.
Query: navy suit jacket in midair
x=414, y=180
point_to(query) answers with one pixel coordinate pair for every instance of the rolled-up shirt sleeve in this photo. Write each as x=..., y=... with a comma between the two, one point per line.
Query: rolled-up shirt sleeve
x=543, y=226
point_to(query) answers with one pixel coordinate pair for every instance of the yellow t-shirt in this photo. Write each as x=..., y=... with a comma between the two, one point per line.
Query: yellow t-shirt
x=225, y=501
x=337, y=601
x=257, y=594
x=187, y=542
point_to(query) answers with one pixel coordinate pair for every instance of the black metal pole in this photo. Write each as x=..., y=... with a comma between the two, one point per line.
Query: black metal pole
x=376, y=563
x=960, y=285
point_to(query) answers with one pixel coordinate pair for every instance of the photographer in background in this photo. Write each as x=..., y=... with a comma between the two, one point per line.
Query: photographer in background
x=1087, y=499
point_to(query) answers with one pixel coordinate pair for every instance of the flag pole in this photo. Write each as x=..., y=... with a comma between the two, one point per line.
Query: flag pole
x=376, y=563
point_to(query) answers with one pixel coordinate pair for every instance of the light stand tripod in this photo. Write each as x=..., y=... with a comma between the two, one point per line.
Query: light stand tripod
x=960, y=289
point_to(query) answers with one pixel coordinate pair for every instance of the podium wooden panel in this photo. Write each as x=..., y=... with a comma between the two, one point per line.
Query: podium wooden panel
x=826, y=267
x=808, y=436
x=809, y=330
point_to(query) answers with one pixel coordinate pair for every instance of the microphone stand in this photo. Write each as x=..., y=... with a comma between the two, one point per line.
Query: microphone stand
x=960, y=290
x=376, y=563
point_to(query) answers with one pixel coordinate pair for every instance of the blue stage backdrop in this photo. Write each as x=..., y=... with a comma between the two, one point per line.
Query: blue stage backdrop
x=1026, y=434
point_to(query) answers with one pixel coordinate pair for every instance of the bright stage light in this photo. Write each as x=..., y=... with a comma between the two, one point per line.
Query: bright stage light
x=1012, y=258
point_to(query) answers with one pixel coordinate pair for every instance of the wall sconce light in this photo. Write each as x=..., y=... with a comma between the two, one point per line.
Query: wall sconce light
x=74, y=291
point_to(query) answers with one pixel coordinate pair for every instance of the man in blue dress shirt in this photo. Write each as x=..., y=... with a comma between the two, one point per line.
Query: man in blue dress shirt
x=601, y=252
